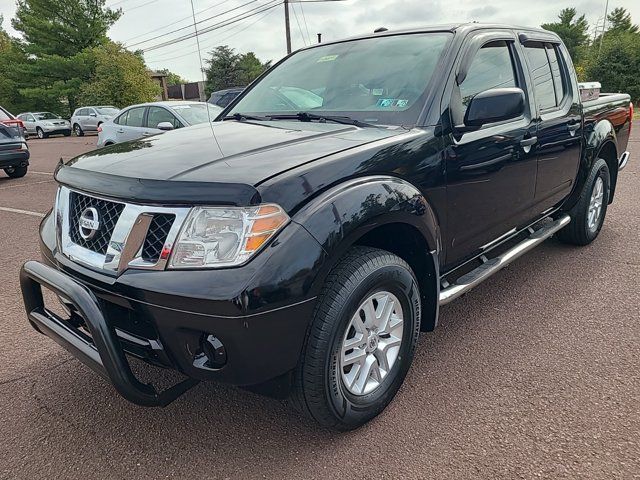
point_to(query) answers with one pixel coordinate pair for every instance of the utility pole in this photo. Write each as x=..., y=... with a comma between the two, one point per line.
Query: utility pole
x=287, y=25
x=604, y=25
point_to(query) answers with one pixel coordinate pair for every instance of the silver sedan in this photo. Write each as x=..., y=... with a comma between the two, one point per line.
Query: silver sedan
x=147, y=119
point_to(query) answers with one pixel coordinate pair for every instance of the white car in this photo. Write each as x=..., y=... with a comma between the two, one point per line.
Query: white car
x=88, y=119
x=44, y=124
x=138, y=121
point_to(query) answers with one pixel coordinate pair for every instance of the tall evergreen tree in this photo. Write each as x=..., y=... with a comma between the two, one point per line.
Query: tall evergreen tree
x=572, y=31
x=620, y=21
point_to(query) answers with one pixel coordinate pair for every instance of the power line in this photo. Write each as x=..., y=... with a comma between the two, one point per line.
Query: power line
x=304, y=18
x=164, y=59
x=224, y=23
x=196, y=23
x=175, y=22
x=295, y=14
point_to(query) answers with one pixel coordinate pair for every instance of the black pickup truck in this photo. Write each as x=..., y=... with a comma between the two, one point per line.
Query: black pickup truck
x=299, y=244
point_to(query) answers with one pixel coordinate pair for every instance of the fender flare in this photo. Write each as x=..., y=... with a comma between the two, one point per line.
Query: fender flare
x=597, y=138
x=342, y=215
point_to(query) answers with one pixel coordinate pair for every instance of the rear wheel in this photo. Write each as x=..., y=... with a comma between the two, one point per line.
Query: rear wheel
x=361, y=341
x=587, y=216
x=77, y=130
x=16, y=172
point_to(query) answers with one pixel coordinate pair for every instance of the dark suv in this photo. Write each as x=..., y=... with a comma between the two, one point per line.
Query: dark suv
x=223, y=98
x=14, y=152
x=302, y=243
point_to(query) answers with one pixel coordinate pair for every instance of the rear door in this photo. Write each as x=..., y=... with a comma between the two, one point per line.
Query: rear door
x=559, y=120
x=131, y=126
x=491, y=172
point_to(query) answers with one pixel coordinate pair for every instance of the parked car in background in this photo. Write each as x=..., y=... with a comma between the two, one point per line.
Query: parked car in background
x=89, y=119
x=14, y=152
x=43, y=124
x=147, y=119
x=222, y=98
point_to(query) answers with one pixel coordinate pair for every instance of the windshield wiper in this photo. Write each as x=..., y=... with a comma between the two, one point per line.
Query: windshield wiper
x=243, y=117
x=309, y=117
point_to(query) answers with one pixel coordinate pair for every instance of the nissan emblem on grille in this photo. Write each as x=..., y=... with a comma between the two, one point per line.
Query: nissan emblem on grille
x=89, y=223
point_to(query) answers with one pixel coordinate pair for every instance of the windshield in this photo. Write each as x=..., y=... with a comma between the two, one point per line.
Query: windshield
x=46, y=116
x=379, y=80
x=113, y=111
x=195, y=113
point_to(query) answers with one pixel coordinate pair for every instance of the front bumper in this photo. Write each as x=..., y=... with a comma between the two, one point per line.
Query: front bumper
x=259, y=312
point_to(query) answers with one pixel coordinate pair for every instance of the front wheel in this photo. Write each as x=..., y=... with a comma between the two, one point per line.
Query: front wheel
x=41, y=133
x=361, y=341
x=587, y=216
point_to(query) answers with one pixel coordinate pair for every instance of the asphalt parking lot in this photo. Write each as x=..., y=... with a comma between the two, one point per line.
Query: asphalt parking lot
x=534, y=374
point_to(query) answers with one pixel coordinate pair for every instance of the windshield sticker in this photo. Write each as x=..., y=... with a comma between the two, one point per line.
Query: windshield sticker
x=377, y=92
x=392, y=102
x=327, y=58
x=385, y=102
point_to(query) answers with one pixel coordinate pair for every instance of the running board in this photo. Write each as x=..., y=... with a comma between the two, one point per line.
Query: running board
x=489, y=267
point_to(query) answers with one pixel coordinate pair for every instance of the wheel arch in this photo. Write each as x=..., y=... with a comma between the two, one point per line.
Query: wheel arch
x=609, y=153
x=384, y=212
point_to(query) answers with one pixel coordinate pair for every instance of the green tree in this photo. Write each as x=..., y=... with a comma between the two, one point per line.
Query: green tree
x=617, y=64
x=172, y=78
x=620, y=21
x=119, y=78
x=63, y=27
x=249, y=67
x=226, y=69
x=572, y=31
x=10, y=55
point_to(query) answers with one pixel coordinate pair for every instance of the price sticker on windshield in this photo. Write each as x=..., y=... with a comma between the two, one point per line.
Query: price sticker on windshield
x=327, y=58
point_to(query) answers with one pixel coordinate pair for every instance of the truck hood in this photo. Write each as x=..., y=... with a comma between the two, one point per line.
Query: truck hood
x=218, y=163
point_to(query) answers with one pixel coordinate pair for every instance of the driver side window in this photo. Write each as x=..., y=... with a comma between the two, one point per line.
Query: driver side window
x=492, y=67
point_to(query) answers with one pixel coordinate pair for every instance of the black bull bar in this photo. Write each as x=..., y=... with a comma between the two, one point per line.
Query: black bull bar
x=104, y=354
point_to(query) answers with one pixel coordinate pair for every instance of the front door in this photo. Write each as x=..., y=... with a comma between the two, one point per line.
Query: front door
x=559, y=123
x=490, y=172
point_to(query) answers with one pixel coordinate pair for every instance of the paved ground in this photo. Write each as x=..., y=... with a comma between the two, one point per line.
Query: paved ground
x=536, y=373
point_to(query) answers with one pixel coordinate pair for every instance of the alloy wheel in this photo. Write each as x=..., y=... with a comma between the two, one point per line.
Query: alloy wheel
x=371, y=343
x=595, y=205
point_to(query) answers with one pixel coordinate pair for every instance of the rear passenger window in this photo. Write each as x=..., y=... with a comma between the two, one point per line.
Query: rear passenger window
x=135, y=117
x=492, y=67
x=546, y=75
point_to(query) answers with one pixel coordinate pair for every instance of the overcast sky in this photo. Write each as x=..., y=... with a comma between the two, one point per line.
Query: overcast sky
x=264, y=32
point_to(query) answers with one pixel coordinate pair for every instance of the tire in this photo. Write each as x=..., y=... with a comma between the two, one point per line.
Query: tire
x=40, y=133
x=77, y=129
x=321, y=386
x=16, y=172
x=584, y=227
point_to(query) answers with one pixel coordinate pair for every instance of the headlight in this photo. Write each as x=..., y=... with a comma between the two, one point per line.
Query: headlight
x=47, y=124
x=225, y=236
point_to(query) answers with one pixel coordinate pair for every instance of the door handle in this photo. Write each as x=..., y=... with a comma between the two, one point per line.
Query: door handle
x=121, y=130
x=527, y=142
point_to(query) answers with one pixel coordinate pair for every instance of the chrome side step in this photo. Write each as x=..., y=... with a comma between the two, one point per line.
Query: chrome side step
x=491, y=266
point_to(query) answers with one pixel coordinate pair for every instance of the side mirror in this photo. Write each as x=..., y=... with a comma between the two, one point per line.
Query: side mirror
x=166, y=126
x=495, y=105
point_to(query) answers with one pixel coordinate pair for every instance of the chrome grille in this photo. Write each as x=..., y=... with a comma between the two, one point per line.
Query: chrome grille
x=129, y=235
x=109, y=213
x=157, y=236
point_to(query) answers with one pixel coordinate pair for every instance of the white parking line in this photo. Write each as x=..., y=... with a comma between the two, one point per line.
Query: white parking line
x=22, y=185
x=24, y=212
x=41, y=173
